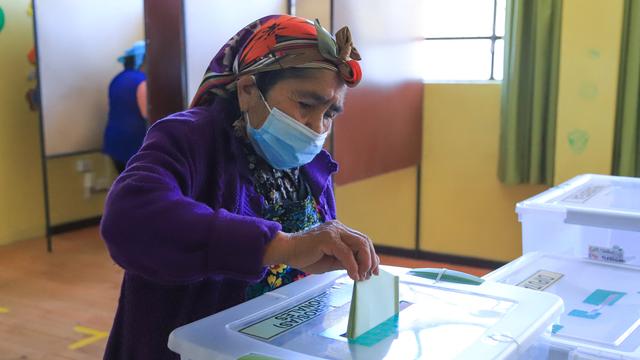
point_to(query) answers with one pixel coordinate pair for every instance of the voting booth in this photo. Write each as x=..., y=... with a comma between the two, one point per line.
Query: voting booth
x=436, y=320
x=581, y=241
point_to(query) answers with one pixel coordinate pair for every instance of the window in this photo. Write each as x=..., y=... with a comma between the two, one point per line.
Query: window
x=464, y=39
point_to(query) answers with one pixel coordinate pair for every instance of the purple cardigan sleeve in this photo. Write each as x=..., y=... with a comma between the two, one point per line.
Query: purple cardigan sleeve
x=153, y=228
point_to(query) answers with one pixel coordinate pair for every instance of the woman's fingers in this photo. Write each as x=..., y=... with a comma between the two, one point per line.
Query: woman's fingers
x=376, y=269
x=345, y=256
x=375, y=261
x=325, y=264
x=360, y=248
x=363, y=248
x=331, y=246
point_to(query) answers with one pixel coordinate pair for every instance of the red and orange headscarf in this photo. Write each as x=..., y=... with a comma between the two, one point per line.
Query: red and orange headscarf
x=278, y=42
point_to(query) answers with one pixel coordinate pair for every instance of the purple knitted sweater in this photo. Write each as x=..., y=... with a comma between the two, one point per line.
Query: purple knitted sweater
x=183, y=220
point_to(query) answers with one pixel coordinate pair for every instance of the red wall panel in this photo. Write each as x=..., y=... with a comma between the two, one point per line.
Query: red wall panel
x=381, y=129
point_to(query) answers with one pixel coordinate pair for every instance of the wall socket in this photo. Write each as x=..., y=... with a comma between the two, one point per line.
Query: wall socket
x=101, y=184
x=88, y=184
x=84, y=165
x=94, y=185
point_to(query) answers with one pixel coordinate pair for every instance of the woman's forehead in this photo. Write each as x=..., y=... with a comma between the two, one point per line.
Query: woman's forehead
x=319, y=85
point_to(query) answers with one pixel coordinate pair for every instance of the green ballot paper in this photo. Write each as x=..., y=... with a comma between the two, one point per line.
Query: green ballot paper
x=373, y=301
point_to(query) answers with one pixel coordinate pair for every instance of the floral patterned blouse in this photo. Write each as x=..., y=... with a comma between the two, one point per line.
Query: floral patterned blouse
x=288, y=201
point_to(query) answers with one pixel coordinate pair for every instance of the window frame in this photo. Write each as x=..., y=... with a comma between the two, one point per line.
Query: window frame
x=493, y=37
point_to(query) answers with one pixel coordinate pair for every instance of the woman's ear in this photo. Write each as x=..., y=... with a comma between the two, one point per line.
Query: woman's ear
x=247, y=88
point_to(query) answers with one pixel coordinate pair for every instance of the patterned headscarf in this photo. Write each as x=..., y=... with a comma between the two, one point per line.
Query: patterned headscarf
x=278, y=42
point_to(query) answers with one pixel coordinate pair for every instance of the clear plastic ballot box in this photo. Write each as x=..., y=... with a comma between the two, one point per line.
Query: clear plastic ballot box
x=581, y=241
x=437, y=320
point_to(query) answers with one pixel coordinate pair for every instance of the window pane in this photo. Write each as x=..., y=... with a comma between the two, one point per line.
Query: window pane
x=458, y=18
x=498, y=60
x=501, y=10
x=457, y=59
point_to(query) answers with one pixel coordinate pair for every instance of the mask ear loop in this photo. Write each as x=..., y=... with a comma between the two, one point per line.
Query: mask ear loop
x=260, y=93
x=245, y=114
x=245, y=117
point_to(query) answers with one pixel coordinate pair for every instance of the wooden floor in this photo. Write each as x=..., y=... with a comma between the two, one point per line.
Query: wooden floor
x=60, y=305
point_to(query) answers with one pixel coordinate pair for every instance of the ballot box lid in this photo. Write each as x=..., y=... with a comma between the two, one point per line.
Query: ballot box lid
x=602, y=302
x=307, y=320
x=589, y=216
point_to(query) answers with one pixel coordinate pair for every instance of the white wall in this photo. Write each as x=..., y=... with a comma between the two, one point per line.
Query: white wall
x=210, y=24
x=78, y=43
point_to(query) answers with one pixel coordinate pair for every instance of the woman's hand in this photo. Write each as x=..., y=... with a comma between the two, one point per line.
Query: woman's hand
x=326, y=247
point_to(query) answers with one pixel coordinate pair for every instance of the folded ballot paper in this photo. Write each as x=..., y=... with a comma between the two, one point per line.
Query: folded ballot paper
x=373, y=301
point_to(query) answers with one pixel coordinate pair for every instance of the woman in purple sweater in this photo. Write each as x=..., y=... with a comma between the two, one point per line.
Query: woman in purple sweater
x=233, y=197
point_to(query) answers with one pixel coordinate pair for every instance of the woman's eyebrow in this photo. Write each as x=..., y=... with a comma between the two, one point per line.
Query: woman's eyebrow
x=318, y=99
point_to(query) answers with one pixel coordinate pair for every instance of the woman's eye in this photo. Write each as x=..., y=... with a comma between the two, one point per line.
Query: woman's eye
x=330, y=115
x=304, y=105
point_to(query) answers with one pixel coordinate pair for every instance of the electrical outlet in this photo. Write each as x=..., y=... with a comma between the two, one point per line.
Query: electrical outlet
x=101, y=184
x=88, y=184
x=84, y=165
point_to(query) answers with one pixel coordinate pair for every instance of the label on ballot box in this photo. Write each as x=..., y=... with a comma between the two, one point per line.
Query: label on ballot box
x=541, y=280
x=288, y=319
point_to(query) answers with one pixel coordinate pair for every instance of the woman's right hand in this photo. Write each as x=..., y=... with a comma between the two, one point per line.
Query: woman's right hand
x=326, y=247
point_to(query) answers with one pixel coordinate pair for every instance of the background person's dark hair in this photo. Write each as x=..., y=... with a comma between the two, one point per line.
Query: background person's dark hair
x=129, y=62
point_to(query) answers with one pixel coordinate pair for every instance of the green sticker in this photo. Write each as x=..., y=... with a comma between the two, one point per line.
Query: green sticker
x=578, y=140
x=594, y=54
x=588, y=90
x=606, y=297
x=555, y=328
x=1, y=19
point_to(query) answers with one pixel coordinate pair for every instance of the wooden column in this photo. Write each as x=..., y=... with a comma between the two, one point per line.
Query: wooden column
x=164, y=27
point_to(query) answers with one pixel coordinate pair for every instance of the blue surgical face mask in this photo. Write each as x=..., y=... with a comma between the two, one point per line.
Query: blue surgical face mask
x=284, y=142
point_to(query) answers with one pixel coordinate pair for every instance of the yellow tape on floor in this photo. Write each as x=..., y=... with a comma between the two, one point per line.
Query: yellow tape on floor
x=95, y=335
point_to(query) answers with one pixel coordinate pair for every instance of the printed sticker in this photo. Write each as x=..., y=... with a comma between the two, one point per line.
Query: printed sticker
x=541, y=280
x=614, y=254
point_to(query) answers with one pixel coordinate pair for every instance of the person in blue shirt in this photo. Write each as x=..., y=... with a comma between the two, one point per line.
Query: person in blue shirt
x=127, y=123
